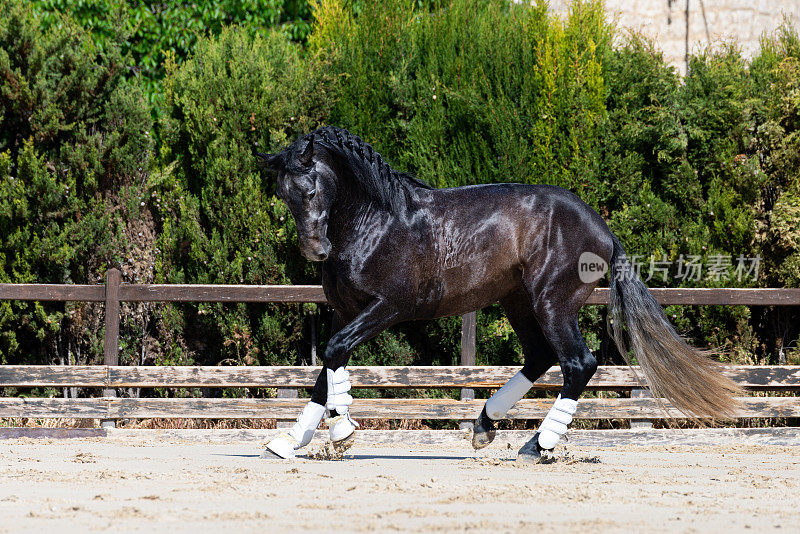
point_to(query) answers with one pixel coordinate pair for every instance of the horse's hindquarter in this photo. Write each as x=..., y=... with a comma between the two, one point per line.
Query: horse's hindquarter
x=488, y=235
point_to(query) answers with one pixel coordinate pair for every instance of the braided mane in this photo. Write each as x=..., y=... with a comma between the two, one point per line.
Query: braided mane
x=377, y=179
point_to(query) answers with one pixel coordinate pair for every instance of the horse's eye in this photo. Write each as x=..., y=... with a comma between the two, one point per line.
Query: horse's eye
x=311, y=194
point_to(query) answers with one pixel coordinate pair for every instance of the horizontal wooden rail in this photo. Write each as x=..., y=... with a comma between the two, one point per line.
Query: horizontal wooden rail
x=220, y=293
x=616, y=378
x=110, y=376
x=164, y=293
x=58, y=292
x=287, y=409
x=287, y=293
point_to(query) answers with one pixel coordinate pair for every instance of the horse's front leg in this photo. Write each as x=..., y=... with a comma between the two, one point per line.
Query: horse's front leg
x=332, y=387
x=286, y=444
x=374, y=319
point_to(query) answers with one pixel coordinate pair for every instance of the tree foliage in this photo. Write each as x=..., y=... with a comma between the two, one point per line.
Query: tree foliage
x=75, y=148
x=224, y=225
x=151, y=31
x=455, y=91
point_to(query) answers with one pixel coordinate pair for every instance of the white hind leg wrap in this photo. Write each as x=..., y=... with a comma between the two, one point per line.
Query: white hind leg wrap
x=507, y=396
x=300, y=434
x=556, y=423
x=341, y=425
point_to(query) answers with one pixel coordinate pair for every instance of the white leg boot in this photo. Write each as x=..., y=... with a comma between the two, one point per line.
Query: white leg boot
x=554, y=425
x=285, y=445
x=484, y=429
x=507, y=396
x=341, y=425
x=557, y=422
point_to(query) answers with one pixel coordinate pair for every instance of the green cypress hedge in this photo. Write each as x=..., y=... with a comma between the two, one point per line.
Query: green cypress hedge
x=457, y=92
x=225, y=226
x=75, y=153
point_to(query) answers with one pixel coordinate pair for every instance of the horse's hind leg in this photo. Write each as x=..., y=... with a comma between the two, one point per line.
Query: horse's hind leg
x=577, y=365
x=539, y=356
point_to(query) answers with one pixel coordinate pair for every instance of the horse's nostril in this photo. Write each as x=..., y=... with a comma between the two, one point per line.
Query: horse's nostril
x=315, y=254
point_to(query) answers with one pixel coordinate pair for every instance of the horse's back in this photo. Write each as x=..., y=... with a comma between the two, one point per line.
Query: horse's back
x=490, y=235
x=519, y=215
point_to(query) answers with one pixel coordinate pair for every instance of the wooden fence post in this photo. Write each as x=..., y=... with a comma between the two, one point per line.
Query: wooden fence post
x=641, y=424
x=111, y=341
x=468, y=329
x=314, y=339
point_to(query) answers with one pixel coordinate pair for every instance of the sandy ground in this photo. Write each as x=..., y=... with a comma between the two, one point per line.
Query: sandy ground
x=163, y=483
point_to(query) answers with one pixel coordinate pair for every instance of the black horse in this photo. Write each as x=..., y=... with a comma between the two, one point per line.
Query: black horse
x=395, y=249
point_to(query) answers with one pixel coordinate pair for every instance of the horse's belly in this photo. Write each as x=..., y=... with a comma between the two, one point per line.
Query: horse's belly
x=476, y=286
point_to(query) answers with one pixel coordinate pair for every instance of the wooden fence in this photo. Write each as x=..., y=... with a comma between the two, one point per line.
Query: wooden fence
x=633, y=404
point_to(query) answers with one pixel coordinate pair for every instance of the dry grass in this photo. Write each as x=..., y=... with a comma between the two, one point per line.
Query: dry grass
x=204, y=424
x=399, y=424
x=367, y=424
x=27, y=422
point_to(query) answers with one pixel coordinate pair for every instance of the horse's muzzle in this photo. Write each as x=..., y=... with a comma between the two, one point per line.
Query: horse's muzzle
x=317, y=251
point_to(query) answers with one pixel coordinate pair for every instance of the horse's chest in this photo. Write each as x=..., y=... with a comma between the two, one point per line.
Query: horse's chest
x=347, y=289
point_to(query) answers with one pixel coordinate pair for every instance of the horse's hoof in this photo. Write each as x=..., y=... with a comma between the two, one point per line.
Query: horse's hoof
x=280, y=448
x=532, y=453
x=482, y=439
x=543, y=456
x=483, y=431
x=341, y=427
x=343, y=444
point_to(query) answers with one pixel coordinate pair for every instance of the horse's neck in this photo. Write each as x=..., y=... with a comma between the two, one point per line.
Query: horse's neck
x=352, y=215
x=349, y=217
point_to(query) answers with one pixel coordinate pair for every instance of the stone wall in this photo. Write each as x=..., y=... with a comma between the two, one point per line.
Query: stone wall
x=709, y=21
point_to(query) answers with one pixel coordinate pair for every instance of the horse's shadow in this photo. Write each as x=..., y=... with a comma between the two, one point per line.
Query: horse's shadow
x=404, y=457
x=374, y=457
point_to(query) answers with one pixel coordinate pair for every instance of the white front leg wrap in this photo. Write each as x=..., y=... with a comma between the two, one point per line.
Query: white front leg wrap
x=507, y=396
x=307, y=423
x=555, y=424
x=300, y=434
x=339, y=400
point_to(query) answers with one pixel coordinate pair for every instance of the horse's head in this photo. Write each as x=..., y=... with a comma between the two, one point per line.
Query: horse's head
x=306, y=187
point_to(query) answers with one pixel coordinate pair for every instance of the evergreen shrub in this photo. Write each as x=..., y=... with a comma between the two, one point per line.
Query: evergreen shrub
x=457, y=92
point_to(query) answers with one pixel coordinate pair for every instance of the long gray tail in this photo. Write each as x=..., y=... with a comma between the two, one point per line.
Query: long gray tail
x=687, y=377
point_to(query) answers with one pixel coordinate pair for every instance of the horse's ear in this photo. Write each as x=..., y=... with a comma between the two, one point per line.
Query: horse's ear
x=272, y=162
x=306, y=157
